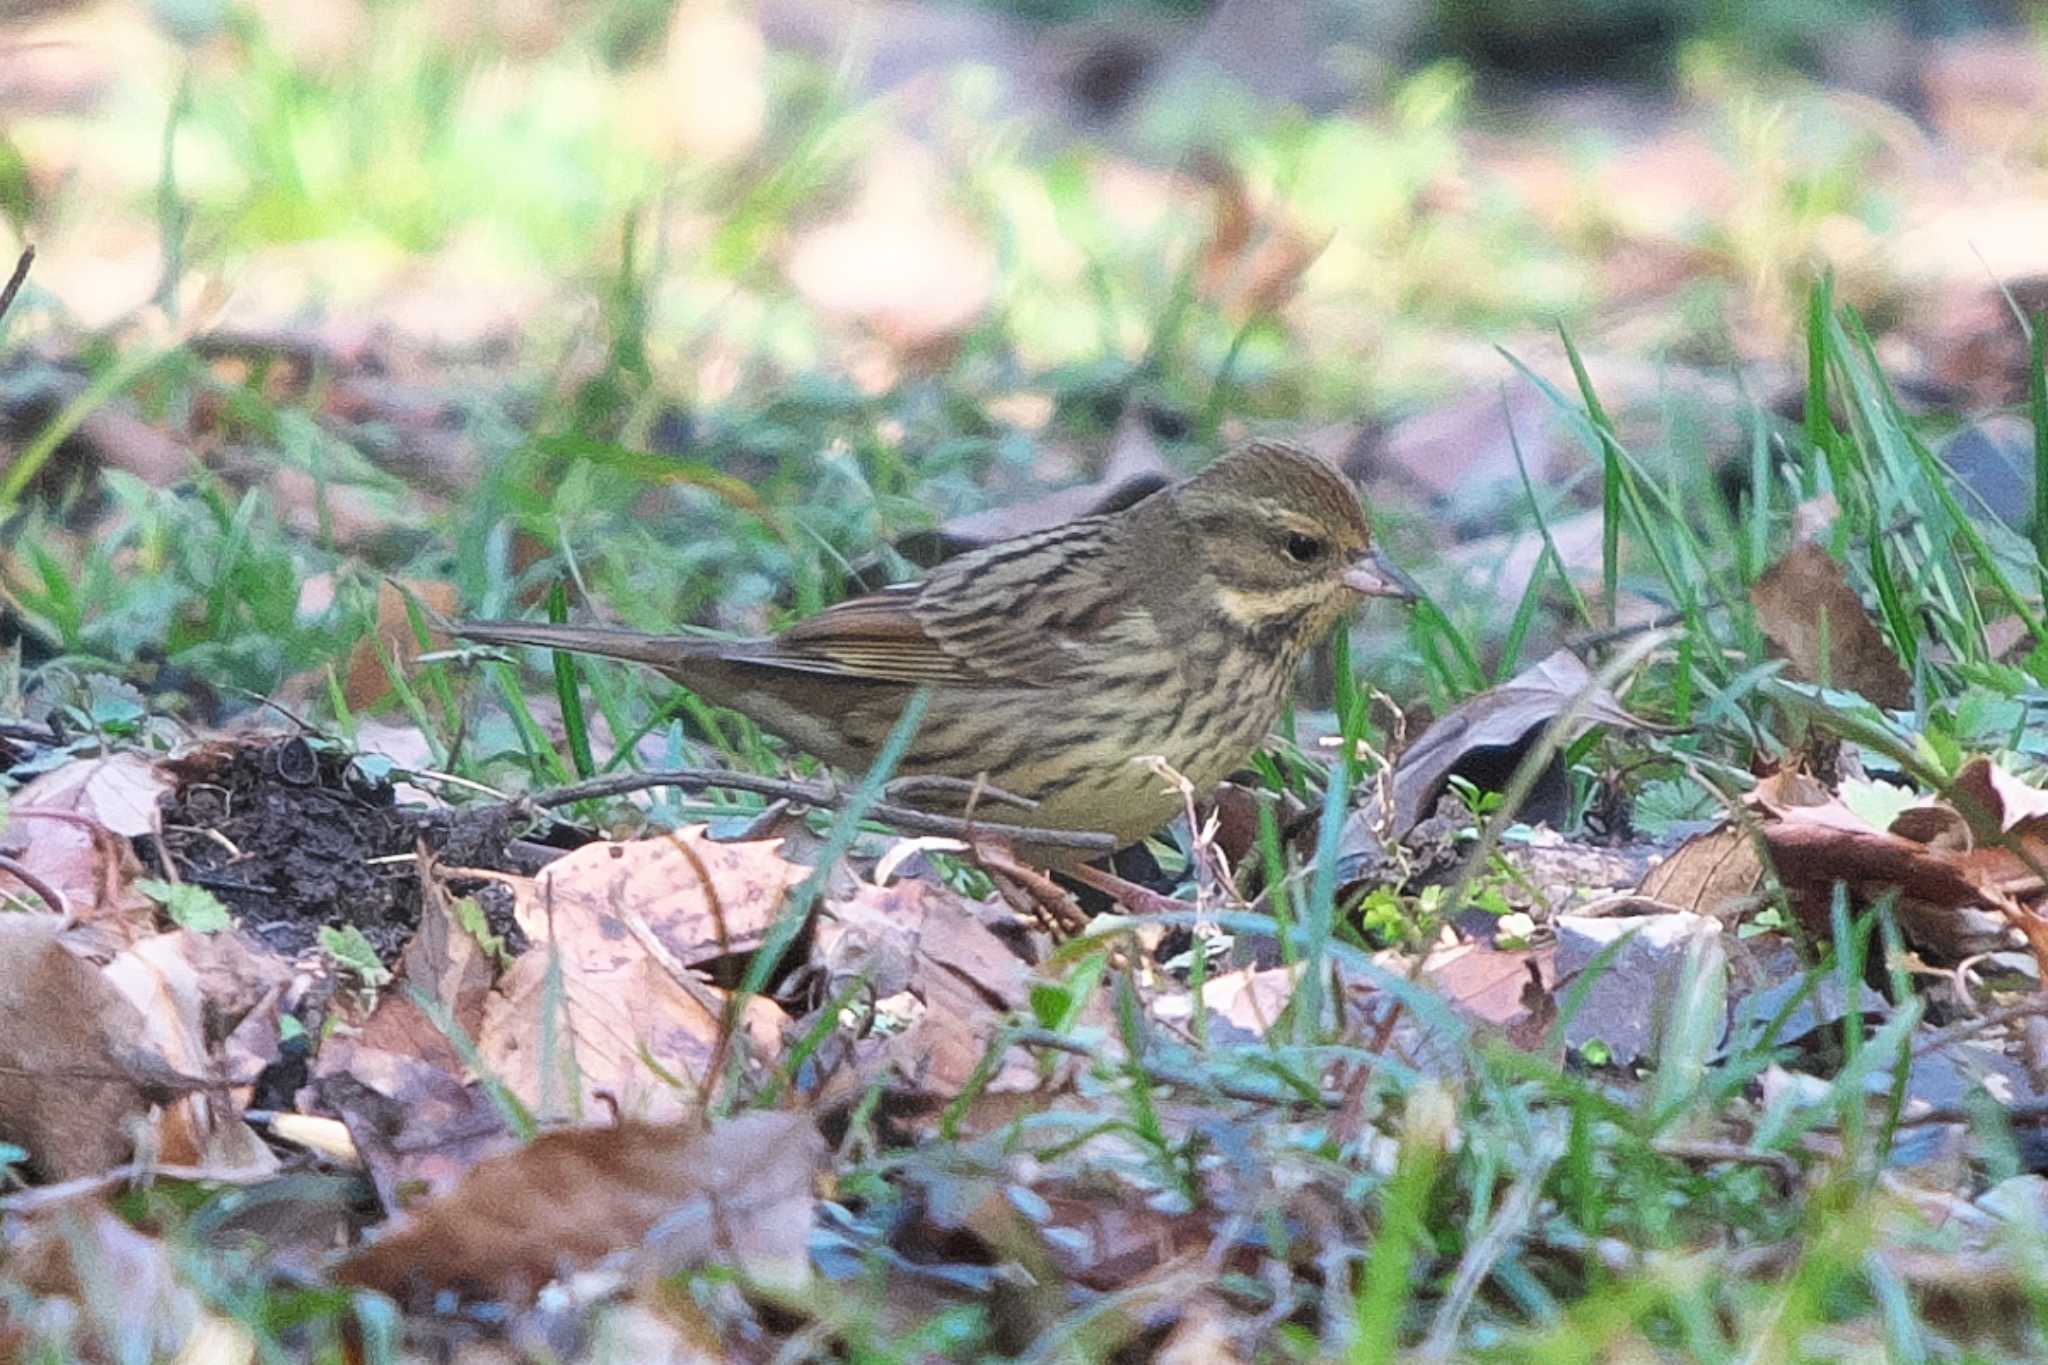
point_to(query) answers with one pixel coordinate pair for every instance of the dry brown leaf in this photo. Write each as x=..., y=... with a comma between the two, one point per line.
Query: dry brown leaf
x=368, y=682
x=626, y=920
x=899, y=262
x=1248, y=267
x=115, y=1291
x=739, y=1194
x=193, y=991
x=417, y=1129
x=69, y=1091
x=1708, y=873
x=1507, y=988
x=444, y=962
x=620, y=1010
x=70, y=828
x=918, y=937
x=1946, y=898
x=120, y=792
x=701, y=898
x=2000, y=800
x=1484, y=737
x=1251, y=998
x=1815, y=619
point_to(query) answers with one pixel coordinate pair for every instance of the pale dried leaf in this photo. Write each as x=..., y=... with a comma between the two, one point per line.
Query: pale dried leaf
x=180, y=983
x=702, y=899
x=368, y=678
x=1708, y=873
x=119, y=791
x=118, y=1285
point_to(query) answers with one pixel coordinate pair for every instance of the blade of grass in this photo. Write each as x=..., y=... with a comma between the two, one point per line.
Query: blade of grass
x=568, y=694
x=796, y=911
x=1319, y=915
x=115, y=380
x=1938, y=476
x=1584, y=611
x=1610, y=481
x=2037, y=408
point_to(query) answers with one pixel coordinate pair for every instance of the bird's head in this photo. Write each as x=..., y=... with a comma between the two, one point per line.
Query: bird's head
x=1285, y=541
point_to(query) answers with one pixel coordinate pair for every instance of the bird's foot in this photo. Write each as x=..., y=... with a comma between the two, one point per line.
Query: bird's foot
x=1035, y=895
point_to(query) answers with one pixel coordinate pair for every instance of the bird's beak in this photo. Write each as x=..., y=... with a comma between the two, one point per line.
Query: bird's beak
x=1371, y=575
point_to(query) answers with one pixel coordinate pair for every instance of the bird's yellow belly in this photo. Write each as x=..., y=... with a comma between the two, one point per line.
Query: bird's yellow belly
x=1086, y=763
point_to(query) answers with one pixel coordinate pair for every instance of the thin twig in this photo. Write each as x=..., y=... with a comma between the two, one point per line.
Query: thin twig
x=1609, y=635
x=818, y=794
x=1970, y=1028
x=1707, y=1152
x=2014, y=1114
x=52, y=897
x=28, y=255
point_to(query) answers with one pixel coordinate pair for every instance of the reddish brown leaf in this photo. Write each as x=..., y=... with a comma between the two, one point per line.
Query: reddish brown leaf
x=739, y=1194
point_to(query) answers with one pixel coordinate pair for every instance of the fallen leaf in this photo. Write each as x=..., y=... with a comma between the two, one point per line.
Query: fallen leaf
x=1996, y=801
x=624, y=921
x=737, y=1195
x=120, y=792
x=368, y=681
x=69, y=1088
x=701, y=898
x=121, y=1295
x=1484, y=738
x=192, y=992
x=1251, y=998
x=918, y=937
x=1709, y=873
x=621, y=1025
x=70, y=829
x=444, y=963
x=1815, y=619
x=417, y=1129
x=1510, y=989
x=899, y=261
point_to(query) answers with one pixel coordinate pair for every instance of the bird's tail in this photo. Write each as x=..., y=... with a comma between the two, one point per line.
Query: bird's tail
x=661, y=651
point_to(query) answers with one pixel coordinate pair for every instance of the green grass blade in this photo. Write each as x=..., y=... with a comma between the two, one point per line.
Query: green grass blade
x=1610, y=480
x=2037, y=408
x=796, y=911
x=575, y=725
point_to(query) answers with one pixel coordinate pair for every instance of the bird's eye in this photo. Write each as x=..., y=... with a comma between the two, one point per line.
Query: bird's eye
x=1305, y=549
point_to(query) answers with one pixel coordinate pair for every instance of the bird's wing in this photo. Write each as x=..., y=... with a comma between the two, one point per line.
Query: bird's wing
x=1024, y=612
x=879, y=636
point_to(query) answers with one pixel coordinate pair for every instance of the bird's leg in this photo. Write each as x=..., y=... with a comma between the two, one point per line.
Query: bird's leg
x=1139, y=900
x=1052, y=906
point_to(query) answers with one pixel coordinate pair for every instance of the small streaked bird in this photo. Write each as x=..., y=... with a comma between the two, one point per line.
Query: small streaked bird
x=1056, y=660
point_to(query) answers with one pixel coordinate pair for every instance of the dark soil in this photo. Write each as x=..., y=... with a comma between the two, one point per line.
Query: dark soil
x=289, y=834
